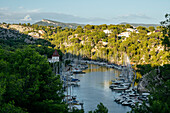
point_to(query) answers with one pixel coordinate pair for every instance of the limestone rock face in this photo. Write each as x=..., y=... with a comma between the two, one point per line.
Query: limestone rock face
x=16, y=30
x=20, y=28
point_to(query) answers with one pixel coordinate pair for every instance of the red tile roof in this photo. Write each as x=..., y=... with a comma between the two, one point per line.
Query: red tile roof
x=55, y=53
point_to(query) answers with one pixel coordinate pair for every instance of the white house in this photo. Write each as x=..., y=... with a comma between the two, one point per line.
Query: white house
x=126, y=34
x=149, y=33
x=130, y=30
x=41, y=31
x=34, y=34
x=105, y=43
x=55, y=57
x=107, y=31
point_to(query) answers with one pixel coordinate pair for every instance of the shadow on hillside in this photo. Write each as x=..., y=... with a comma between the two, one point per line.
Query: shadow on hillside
x=11, y=40
x=162, y=71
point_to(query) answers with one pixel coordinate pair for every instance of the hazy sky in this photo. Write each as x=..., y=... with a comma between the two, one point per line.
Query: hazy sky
x=84, y=11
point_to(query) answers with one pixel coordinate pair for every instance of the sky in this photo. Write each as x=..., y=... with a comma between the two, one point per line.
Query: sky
x=84, y=11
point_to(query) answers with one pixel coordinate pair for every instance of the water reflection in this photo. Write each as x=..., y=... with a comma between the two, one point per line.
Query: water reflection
x=94, y=88
x=96, y=68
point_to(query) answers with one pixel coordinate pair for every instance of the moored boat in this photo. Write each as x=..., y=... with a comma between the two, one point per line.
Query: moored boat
x=121, y=87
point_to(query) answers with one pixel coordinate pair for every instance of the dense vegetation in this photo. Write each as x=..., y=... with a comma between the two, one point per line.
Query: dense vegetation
x=28, y=85
x=91, y=42
x=158, y=80
x=159, y=86
x=146, y=46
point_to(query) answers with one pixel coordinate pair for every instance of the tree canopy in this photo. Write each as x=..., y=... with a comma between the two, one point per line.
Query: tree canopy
x=28, y=84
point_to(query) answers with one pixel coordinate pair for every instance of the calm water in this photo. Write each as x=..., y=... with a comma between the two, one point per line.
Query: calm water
x=94, y=88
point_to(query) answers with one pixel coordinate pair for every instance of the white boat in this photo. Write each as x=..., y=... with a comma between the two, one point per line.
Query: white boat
x=145, y=94
x=118, y=81
x=125, y=103
x=117, y=99
x=113, y=85
x=102, y=64
x=109, y=66
x=126, y=84
x=128, y=91
x=121, y=100
x=132, y=94
x=121, y=87
x=76, y=70
x=117, y=67
x=82, y=66
x=77, y=107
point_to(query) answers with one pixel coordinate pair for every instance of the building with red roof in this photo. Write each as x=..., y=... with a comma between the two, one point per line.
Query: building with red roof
x=55, y=56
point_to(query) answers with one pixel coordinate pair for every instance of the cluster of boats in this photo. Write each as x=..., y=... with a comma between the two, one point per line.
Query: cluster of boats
x=69, y=81
x=124, y=81
x=78, y=68
x=131, y=98
x=72, y=102
x=68, y=75
x=120, y=85
x=125, y=84
x=109, y=65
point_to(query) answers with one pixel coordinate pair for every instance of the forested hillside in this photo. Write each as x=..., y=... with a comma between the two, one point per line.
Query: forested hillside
x=107, y=42
x=143, y=45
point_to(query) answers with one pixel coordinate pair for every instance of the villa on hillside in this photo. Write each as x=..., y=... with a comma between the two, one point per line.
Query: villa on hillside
x=104, y=43
x=130, y=30
x=41, y=31
x=34, y=35
x=126, y=34
x=107, y=31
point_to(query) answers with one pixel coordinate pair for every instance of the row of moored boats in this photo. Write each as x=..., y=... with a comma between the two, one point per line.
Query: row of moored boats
x=131, y=98
x=69, y=81
x=109, y=65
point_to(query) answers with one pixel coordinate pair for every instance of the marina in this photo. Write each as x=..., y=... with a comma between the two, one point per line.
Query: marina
x=87, y=83
x=94, y=88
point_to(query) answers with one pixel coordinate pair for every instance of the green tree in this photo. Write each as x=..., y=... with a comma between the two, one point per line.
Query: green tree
x=28, y=24
x=128, y=26
x=30, y=83
x=11, y=108
x=24, y=24
x=100, y=109
x=159, y=87
x=166, y=31
x=79, y=29
x=151, y=28
x=88, y=27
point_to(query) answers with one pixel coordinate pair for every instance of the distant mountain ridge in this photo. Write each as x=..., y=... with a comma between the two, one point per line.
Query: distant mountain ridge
x=46, y=22
x=140, y=24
